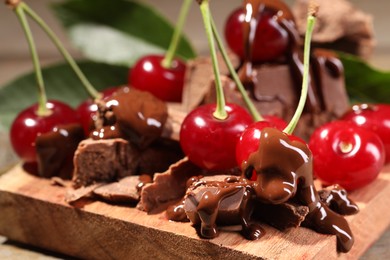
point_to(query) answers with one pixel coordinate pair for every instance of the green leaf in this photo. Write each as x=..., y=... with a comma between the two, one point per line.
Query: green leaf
x=117, y=31
x=61, y=84
x=365, y=83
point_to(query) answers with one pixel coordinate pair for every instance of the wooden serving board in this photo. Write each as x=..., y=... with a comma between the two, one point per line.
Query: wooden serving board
x=33, y=211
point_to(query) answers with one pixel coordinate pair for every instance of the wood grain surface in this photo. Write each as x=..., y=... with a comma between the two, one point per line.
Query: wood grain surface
x=33, y=211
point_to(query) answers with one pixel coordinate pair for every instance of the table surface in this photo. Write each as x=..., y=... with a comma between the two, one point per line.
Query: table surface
x=14, y=61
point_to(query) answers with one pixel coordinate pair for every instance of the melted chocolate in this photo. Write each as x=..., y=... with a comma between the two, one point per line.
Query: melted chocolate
x=336, y=198
x=284, y=170
x=281, y=170
x=131, y=114
x=55, y=150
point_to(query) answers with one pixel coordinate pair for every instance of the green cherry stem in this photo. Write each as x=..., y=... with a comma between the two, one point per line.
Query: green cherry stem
x=306, y=63
x=170, y=54
x=42, y=98
x=220, y=112
x=88, y=86
x=248, y=102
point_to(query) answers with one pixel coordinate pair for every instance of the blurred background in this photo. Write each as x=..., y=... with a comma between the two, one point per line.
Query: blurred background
x=14, y=54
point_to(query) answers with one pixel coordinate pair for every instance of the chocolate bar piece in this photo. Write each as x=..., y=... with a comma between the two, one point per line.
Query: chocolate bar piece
x=344, y=28
x=126, y=190
x=103, y=161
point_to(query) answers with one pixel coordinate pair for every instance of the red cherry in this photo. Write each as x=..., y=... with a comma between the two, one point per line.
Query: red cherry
x=28, y=125
x=149, y=75
x=250, y=139
x=375, y=118
x=270, y=41
x=87, y=110
x=346, y=154
x=210, y=143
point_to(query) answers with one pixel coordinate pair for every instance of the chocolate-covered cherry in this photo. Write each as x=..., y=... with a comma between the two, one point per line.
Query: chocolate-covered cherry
x=210, y=143
x=376, y=118
x=270, y=39
x=87, y=110
x=28, y=125
x=250, y=139
x=346, y=154
x=148, y=74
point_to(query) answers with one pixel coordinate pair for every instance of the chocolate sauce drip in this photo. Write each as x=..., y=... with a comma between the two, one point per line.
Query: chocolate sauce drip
x=225, y=202
x=281, y=170
x=177, y=212
x=336, y=198
x=131, y=114
x=284, y=170
x=55, y=150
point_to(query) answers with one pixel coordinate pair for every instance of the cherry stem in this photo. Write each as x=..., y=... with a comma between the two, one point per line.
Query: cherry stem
x=170, y=54
x=88, y=86
x=306, y=63
x=42, y=98
x=248, y=102
x=220, y=112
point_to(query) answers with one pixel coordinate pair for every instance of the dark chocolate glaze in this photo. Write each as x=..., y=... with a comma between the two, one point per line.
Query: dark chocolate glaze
x=293, y=56
x=209, y=206
x=253, y=10
x=177, y=213
x=131, y=114
x=336, y=198
x=55, y=150
x=283, y=169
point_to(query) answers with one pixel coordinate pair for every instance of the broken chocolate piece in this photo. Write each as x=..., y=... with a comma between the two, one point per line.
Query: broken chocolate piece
x=126, y=190
x=171, y=185
x=134, y=115
x=168, y=186
x=229, y=206
x=344, y=28
x=74, y=195
x=55, y=150
x=103, y=161
x=281, y=216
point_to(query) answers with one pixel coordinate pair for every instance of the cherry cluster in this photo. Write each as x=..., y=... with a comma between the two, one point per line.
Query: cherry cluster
x=353, y=150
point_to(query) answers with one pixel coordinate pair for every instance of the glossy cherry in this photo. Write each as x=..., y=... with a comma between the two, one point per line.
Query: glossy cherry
x=270, y=42
x=250, y=139
x=87, y=110
x=346, y=154
x=210, y=143
x=376, y=118
x=28, y=125
x=165, y=83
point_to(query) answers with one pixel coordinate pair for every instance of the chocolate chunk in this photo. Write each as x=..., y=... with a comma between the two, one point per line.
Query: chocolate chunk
x=168, y=186
x=55, y=150
x=125, y=190
x=74, y=195
x=103, y=161
x=171, y=185
x=344, y=28
x=131, y=114
x=281, y=216
x=228, y=208
x=199, y=75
